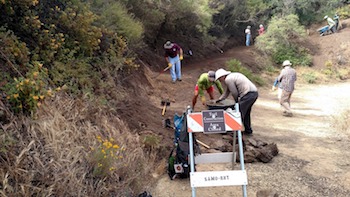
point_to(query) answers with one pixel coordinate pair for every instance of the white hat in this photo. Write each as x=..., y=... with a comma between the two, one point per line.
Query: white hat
x=325, y=17
x=168, y=45
x=261, y=25
x=221, y=72
x=286, y=63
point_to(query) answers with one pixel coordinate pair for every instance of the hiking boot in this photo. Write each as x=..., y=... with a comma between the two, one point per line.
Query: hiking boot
x=179, y=79
x=248, y=133
x=173, y=82
x=288, y=114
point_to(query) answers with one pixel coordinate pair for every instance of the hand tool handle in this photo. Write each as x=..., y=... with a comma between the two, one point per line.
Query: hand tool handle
x=165, y=69
x=163, y=112
x=202, y=143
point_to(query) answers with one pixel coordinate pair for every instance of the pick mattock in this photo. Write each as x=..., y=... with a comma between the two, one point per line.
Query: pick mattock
x=165, y=69
x=164, y=103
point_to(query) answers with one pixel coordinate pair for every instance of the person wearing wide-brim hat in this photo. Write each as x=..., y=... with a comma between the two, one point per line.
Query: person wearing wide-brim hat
x=243, y=91
x=173, y=56
x=287, y=79
x=206, y=82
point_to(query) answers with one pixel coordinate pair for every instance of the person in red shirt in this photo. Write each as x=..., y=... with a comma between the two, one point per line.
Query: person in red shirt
x=261, y=29
x=174, y=55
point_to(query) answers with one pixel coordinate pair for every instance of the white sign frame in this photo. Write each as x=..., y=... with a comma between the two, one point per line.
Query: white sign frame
x=218, y=178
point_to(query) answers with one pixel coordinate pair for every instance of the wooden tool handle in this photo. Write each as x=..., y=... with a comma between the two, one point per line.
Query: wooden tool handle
x=165, y=69
x=202, y=143
x=163, y=111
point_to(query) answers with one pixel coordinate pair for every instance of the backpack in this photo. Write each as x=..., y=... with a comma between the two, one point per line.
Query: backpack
x=178, y=160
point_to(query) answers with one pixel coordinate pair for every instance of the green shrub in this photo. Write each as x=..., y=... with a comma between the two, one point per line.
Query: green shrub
x=235, y=65
x=77, y=75
x=301, y=58
x=310, y=77
x=115, y=17
x=344, y=12
x=151, y=142
x=25, y=94
x=284, y=39
x=14, y=53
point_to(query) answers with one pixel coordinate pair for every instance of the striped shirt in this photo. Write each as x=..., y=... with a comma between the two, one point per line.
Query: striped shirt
x=287, y=78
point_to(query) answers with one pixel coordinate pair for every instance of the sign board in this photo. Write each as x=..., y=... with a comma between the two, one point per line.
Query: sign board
x=232, y=121
x=213, y=121
x=218, y=178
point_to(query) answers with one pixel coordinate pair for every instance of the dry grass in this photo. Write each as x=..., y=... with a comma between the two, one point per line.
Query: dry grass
x=341, y=122
x=52, y=156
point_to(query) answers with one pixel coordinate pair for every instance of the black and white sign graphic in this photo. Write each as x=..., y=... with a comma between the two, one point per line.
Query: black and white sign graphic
x=214, y=121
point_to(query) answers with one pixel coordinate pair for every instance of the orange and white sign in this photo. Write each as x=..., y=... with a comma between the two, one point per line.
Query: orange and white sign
x=232, y=120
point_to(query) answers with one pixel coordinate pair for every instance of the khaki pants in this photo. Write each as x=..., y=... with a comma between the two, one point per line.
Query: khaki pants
x=285, y=100
x=279, y=93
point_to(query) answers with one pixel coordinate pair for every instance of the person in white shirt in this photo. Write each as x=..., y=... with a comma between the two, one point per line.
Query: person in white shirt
x=248, y=36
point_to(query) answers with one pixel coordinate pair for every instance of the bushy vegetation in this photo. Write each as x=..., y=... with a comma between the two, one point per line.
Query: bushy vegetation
x=76, y=144
x=285, y=39
x=236, y=66
x=27, y=93
x=344, y=12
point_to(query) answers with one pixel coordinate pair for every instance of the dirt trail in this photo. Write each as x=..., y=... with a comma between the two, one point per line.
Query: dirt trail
x=313, y=159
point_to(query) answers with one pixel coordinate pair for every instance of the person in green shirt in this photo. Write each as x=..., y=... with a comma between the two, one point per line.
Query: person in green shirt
x=206, y=82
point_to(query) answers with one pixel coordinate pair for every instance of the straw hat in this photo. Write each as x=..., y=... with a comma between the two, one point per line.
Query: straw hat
x=168, y=45
x=221, y=72
x=286, y=63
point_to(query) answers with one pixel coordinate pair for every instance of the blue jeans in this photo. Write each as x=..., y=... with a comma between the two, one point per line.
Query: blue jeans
x=247, y=41
x=175, y=70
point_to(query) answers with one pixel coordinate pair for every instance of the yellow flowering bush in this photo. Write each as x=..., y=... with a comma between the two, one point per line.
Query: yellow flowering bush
x=25, y=94
x=105, y=157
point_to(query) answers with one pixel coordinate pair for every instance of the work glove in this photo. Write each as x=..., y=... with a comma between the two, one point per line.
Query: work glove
x=203, y=100
x=170, y=65
x=181, y=57
x=273, y=88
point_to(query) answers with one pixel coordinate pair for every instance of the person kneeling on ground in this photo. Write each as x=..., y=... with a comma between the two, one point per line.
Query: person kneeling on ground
x=206, y=82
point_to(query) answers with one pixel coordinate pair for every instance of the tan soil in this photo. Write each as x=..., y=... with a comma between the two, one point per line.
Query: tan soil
x=314, y=157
